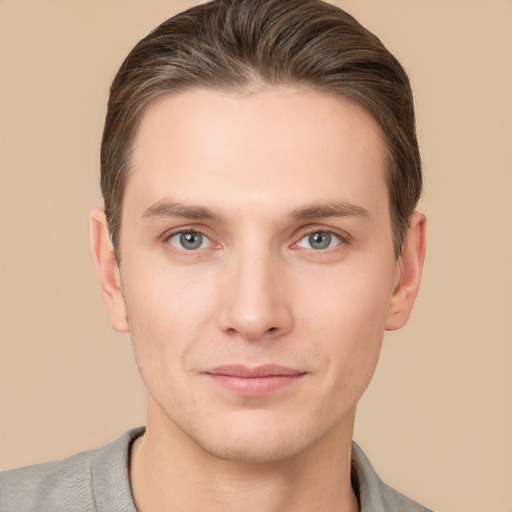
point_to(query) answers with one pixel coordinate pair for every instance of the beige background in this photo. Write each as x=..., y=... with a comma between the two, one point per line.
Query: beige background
x=437, y=419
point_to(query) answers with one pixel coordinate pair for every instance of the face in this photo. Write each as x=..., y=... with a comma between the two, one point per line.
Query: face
x=257, y=272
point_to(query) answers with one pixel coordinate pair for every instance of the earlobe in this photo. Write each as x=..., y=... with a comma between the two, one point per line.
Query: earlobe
x=108, y=270
x=410, y=265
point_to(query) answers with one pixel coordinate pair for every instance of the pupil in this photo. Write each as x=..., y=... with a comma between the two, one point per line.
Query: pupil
x=191, y=240
x=320, y=240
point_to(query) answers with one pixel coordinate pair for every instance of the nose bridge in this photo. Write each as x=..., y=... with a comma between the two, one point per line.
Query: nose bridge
x=255, y=305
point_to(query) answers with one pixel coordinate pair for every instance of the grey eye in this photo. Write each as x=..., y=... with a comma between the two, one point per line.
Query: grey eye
x=189, y=240
x=319, y=240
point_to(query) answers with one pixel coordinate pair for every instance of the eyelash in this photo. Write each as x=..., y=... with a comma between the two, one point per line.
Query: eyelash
x=342, y=239
x=190, y=231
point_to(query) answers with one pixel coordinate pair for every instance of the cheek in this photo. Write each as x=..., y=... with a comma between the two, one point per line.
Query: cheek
x=349, y=319
x=168, y=314
x=352, y=302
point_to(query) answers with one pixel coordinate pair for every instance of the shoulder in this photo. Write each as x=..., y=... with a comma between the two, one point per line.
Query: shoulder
x=401, y=502
x=374, y=494
x=47, y=485
x=74, y=483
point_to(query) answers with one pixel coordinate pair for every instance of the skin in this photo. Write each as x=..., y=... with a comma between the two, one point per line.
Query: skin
x=256, y=174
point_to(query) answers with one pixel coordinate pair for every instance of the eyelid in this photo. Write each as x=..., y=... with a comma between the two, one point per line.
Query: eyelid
x=343, y=236
x=187, y=228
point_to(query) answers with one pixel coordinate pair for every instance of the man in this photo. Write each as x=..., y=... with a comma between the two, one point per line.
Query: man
x=260, y=173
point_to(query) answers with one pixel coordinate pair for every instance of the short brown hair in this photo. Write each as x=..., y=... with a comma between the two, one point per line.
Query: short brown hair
x=237, y=44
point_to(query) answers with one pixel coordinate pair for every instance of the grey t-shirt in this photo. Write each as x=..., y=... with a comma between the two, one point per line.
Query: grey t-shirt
x=98, y=481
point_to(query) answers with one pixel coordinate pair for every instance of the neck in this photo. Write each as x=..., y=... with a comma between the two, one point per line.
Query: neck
x=168, y=471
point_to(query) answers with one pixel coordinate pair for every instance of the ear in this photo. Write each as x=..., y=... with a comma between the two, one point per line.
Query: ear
x=108, y=270
x=410, y=266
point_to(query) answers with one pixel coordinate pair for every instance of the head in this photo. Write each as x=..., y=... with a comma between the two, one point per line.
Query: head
x=244, y=46
x=260, y=173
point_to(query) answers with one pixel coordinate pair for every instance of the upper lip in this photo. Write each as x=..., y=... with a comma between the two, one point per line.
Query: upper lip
x=266, y=370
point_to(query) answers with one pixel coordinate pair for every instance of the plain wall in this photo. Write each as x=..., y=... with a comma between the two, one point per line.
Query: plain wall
x=436, y=420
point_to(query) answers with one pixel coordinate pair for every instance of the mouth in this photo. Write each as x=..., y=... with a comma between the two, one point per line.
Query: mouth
x=254, y=381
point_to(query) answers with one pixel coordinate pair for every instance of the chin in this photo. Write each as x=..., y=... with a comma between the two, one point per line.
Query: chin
x=262, y=440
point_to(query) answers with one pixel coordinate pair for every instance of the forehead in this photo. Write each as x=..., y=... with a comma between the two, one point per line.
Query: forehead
x=281, y=145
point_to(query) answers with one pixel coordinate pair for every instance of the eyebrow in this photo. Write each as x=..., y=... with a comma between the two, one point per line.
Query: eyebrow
x=331, y=209
x=166, y=208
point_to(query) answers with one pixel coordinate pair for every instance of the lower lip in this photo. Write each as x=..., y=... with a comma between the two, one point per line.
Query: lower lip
x=255, y=386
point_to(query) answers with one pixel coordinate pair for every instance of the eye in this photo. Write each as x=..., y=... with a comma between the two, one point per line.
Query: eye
x=189, y=240
x=319, y=240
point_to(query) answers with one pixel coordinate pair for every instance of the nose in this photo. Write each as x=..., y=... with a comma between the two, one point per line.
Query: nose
x=255, y=302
